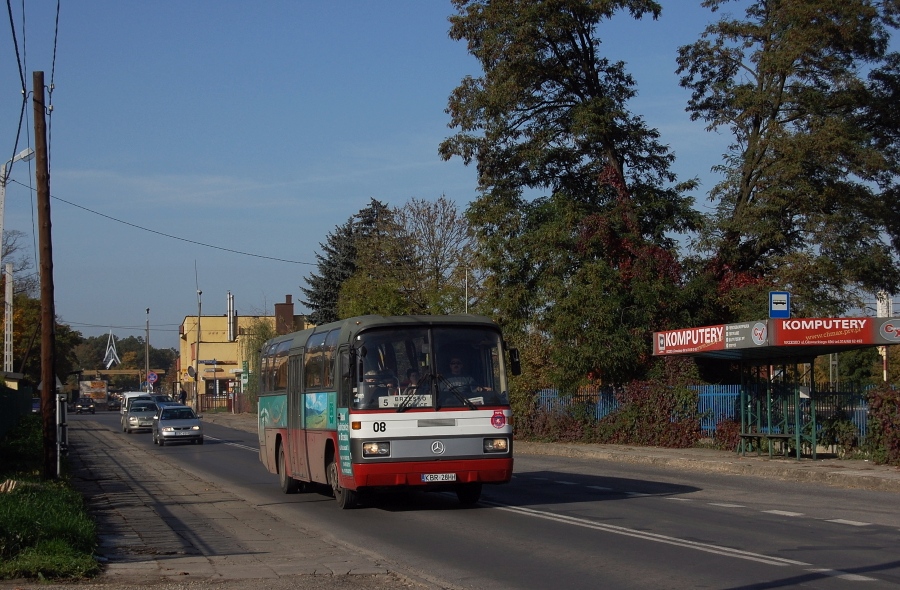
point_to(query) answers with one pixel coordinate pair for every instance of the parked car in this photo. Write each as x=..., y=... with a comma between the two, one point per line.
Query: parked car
x=176, y=424
x=85, y=404
x=139, y=416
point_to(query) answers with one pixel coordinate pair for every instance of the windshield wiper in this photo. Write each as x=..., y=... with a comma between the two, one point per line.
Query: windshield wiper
x=407, y=401
x=456, y=393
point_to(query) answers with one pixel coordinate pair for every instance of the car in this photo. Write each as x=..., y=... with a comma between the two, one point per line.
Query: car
x=36, y=405
x=162, y=398
x=177, y=424
x=85, y=404
x=114, y=402
x=130, y=396
x=139, y=416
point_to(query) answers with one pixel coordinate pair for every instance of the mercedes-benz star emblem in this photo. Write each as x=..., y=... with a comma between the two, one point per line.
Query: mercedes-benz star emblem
x=437, y=447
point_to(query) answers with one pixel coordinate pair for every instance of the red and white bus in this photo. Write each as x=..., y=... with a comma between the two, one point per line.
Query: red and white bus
x=385, y=402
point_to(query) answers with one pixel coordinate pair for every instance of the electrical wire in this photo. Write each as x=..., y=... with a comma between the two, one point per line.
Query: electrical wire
x=170, y=236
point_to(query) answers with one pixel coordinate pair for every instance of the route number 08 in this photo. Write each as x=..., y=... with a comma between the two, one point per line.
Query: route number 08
x=380, y=427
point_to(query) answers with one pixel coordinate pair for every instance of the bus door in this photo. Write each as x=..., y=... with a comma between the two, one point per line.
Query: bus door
x=296, y=434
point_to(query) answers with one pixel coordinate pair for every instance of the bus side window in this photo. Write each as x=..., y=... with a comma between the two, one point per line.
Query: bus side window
x=328, y=356
x=345, y=385
x=314, y=362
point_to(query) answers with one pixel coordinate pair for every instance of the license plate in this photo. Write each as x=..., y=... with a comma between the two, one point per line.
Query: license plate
x=185, y=433
x=431, y=477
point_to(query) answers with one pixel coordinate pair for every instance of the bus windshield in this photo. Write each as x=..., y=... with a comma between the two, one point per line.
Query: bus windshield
x=437, y=367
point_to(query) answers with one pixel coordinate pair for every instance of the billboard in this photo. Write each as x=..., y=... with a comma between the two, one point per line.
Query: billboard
x=836, y=331
x=95, y=390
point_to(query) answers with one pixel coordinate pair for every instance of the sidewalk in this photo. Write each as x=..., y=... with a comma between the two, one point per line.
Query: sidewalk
x=160, y=524
x=848, y=473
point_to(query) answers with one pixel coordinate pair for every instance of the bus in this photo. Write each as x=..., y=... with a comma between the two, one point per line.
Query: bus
x=374, y=402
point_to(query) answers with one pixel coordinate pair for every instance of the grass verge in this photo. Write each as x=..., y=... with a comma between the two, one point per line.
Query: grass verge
x=45, y=530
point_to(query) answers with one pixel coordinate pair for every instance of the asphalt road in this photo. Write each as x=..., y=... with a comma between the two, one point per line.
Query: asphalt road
x=578, y=523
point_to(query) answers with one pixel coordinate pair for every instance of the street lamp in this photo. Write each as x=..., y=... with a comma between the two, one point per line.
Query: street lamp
x=22, y=156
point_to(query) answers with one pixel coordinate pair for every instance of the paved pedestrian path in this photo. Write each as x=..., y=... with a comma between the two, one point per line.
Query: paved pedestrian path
x=156, y=520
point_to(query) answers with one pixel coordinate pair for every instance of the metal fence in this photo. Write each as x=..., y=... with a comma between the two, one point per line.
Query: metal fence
x=715, y=403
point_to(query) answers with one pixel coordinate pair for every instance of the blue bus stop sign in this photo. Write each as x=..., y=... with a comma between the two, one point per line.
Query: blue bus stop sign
x=779, y=305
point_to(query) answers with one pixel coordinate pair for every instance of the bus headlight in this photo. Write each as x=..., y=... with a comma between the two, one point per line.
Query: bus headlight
x=496, y=445
x=376, y=449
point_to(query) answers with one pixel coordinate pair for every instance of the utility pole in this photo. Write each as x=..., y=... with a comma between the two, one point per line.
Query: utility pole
x=49, y=403
x=147, y=354
x=197, y=357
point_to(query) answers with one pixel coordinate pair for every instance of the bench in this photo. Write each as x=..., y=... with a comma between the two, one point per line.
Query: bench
x=783, y=439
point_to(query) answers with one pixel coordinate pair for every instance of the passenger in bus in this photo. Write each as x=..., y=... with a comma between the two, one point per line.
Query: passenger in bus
x=377, y=384
x=411, y=387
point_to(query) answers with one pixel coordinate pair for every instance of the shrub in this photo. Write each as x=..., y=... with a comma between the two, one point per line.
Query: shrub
x=883, y=439
x=728, y=435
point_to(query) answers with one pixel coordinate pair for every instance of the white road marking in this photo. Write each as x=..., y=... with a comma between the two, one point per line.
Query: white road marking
x=647, y=536
x=567, y=483
x=843, y=575
x=848, y=522
x=601, y=488
x=783, y=513
x=726, y=505
x=231, y=444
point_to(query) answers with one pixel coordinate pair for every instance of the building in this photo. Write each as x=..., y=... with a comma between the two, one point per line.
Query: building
x=223, y=346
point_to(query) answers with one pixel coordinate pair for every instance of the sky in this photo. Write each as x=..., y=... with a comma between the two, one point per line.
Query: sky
x=255, y=128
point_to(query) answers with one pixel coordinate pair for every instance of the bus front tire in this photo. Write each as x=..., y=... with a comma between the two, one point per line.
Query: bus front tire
x=345, y=498
x=289, y=485
x=469, y=493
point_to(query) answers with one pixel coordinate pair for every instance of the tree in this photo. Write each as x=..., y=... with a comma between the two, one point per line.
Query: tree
x=259, y=331
x=338, y=263
x=27, y=344
x=414, y=261
x=591, y=263
x=808, y=199
x=24, y=281
x=132, y=352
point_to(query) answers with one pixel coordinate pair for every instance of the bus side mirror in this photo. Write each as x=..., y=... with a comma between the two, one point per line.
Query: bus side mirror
x=515, y=364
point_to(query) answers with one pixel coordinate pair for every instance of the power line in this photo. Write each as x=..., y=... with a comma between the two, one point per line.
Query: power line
x=159, y=233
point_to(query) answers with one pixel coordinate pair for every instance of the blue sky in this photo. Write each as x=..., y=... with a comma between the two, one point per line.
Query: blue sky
x=256, y=127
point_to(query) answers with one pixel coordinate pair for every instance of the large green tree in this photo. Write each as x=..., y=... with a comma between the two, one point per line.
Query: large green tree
x=418, y=259
x=337, y=262
x=578, y=204
x=808, y=200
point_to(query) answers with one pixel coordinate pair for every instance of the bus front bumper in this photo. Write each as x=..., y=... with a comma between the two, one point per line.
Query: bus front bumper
x=430, y=473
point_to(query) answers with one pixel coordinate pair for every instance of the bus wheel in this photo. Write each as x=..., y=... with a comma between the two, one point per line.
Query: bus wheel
x=288, y=483
x=345, y=498
x=468, y=493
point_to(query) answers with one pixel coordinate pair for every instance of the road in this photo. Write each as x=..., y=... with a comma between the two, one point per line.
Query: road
x=576, y=523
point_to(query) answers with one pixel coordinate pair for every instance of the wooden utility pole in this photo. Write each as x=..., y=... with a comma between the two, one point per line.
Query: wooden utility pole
x=48, y=315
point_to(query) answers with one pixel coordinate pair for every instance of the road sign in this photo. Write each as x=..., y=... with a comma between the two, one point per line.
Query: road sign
x=779, y=305
x=208, y=362
x=152, y=377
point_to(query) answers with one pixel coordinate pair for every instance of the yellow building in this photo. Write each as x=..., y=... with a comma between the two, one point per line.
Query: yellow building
x=219, y=355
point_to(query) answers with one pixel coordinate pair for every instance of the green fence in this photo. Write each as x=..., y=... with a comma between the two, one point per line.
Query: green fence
x=13, y=405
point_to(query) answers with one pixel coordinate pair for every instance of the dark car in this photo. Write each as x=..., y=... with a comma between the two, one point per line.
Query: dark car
x=85, y=404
